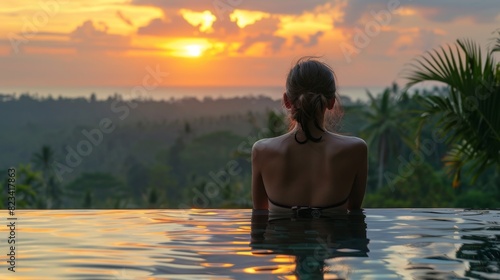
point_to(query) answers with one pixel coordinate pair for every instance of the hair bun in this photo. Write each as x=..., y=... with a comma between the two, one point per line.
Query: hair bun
x=310, y=84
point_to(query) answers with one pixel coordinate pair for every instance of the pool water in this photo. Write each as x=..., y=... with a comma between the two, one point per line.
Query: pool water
x=234, y=244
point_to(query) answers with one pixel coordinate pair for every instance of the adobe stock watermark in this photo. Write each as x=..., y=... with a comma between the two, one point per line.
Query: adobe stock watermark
x=222, y=7
x=94, y=137
x=362, y=37
x=31, y=25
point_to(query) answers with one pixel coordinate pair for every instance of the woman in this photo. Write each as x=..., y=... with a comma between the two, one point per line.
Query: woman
x=309, y=170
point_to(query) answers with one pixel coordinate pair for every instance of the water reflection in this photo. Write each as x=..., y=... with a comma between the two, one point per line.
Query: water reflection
x=484, y=256
x=310, y=241
x=234, y=244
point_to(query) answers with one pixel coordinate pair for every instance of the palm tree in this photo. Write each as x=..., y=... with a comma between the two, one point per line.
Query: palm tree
x=469, y=114
x=384, y=129
x=44, y=160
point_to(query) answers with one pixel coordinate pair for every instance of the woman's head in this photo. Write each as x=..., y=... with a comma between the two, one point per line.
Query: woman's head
x=310, y=90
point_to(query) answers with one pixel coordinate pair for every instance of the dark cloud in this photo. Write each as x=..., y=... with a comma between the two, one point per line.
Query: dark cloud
x=176, y=25
x=195, y=5
x=220, y=7
x=87, y=36
x=413, y=41
x=126, y=20
x=355, y=10
x=87, y=31
x=274, y=42
x=265, y=25
x=224, y=27
x=481, y=11
x=437, y=11
x=312, y=40
x=295, y=7
x=428, y=39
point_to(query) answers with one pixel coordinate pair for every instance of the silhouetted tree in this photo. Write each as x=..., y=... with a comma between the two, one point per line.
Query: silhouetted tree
x=384, y=128
x=44, y=160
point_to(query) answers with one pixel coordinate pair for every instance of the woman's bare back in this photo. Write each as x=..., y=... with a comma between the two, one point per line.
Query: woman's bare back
x=312, y=174
x=309, y=166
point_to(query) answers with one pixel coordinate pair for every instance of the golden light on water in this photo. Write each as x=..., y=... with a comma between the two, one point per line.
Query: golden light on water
x=125, y=242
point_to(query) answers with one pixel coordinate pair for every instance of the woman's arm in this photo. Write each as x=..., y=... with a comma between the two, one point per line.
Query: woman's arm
x=359, y=186
x=259, y=195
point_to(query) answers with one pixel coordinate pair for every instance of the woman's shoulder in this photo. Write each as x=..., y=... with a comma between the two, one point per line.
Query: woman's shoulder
x=269, y=143
x=261, y=148
x=350, y=142
x=266, y=142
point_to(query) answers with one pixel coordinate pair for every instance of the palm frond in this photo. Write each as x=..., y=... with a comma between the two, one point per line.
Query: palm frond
x=469, y=113
x=496, y=43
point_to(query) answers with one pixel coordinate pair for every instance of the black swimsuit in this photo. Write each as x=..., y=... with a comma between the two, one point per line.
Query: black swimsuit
x=308, y=211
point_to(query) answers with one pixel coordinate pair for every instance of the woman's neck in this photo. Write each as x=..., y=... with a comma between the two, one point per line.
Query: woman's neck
x=315, y=131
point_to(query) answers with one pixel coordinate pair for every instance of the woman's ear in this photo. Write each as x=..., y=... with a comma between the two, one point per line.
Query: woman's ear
x=331, y=103
x=287, y=102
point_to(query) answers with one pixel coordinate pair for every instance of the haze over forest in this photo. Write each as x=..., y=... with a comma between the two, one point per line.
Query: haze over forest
x=115, y=153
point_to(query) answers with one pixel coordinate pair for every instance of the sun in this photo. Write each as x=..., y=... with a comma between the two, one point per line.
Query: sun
x=193, y=50
x=189, y=47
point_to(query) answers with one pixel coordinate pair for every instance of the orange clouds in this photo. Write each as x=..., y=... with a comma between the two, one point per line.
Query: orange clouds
x=245, y=17
x=198, y=39
x=202, y=20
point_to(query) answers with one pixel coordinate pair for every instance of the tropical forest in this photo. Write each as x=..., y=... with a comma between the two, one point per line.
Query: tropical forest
x=436, y=145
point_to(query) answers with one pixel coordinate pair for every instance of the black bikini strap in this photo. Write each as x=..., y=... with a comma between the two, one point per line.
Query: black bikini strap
x=326, y=207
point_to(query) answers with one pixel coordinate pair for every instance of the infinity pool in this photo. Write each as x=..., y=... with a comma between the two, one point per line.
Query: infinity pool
x=233, y=244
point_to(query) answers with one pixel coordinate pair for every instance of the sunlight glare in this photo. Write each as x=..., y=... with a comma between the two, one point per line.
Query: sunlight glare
x=194, y=50
x=188, y=47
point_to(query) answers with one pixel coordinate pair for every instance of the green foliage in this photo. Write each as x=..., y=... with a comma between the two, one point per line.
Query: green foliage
x=100, y=190
x=225, y=192
x=87, y=201
x=276, y=125
x=162, y=187
x=385, y=128
x=209, y=152
x=477, y=199
x=155, y=197
x=43, y=161
x=28, y=188
x=136, y=176
x=424, y=187
x=468, y=114
x=187, y=162
x=59, y=124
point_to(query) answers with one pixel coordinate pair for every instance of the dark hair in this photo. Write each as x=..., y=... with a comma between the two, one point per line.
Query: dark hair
x=310, y=84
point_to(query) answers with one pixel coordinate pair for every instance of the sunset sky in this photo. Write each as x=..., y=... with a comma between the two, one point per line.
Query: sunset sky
x=225, y=42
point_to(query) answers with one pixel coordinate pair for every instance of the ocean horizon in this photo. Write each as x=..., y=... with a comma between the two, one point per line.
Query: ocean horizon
x=175, y=92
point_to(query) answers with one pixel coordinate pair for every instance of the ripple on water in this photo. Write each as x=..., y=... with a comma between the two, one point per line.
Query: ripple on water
x=231, y=244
